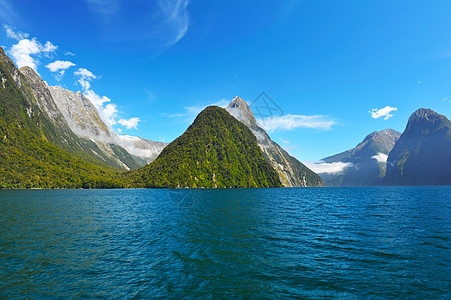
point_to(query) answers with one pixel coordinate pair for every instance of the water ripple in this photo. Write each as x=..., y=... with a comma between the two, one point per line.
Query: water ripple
x=391, y=242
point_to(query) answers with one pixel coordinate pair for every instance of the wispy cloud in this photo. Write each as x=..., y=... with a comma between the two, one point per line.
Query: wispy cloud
x=106, y=8
x=447, y=99
x=60, y=67
x=159, y=25
x=331, y=168
x=383, y=112
x=290, y=122
x=16, y=35
x=68, y=53
x=7, y=12
x=176, y=16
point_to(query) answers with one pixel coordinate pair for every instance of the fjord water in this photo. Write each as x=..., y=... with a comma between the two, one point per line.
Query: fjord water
x=385, y=242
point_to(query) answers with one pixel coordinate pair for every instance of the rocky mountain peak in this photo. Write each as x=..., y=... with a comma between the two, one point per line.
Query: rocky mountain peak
x=241, y=111
x=386, y=137
x=30, y=73
x=424, y=113
x=421, y=155
x=424, y=120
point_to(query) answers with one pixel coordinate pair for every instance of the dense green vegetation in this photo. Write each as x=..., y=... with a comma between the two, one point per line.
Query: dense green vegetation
x=59, y=132
x=215, y=151
x=30, y=151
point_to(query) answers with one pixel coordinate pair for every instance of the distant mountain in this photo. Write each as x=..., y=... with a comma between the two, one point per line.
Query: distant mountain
x=292, y=173
x=422, y=155
x=366, y=162
x=37, y=148
x=215, y=151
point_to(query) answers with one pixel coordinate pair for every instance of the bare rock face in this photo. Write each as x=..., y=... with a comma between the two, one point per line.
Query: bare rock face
x=82, y=129
x=81, y=115
x=292, y=173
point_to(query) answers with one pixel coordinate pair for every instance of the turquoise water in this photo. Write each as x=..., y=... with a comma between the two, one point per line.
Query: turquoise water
x=385, y=242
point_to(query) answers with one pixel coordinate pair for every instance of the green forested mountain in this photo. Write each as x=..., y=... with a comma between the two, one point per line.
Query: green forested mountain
x=422, y=155
x=215, y=151
x=33, y=151
x=292, y=173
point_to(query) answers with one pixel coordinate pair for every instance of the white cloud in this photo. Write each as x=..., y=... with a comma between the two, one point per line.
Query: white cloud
x=419, y=82
x=60, y=67
x=130, y=123
x=383, y=112
x=447, y=99
x=26, y=51
x=176, y=14
x=16, y=35
x=68, y=53
x=84, y=73
x=380, y=157
x=331, y=168
x=289, y=122
x=97, y=100
x=85, y=77
x=107, y=112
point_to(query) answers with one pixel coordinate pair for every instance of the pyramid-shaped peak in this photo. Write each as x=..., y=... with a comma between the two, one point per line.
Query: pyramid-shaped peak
x=241, y=110
x=238, y=102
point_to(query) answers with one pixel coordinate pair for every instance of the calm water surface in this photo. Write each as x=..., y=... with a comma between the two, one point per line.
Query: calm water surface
x=385, y=242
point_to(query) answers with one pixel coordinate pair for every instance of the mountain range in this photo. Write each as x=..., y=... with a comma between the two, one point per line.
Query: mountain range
x=364, y=164
x=51, y=137
x=418, y=156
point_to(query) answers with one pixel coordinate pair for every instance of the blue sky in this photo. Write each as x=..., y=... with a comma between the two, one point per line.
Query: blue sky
x=338, y=70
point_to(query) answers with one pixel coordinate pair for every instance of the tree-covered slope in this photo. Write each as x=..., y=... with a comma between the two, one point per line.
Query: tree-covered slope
x=292, y=173
x=422, y=155
x=215, y=151
x=31, y=153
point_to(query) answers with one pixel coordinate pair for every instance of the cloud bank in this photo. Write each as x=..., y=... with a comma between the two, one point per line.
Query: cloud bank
x=330, y=168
